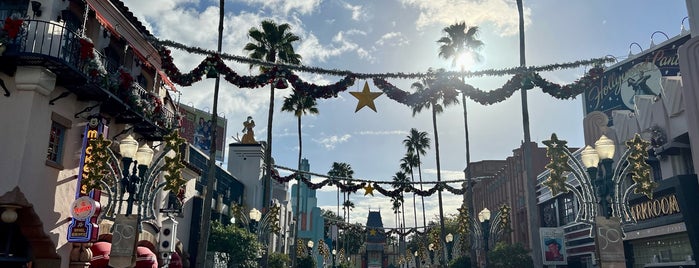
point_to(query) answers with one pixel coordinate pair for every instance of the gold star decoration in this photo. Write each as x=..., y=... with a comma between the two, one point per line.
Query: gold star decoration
x=173, y=140
x=368, y=190
x=372, y=232
x=366, y=98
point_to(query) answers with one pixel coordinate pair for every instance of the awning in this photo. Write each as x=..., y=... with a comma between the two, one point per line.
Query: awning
x=100, y=254
x=145, y=258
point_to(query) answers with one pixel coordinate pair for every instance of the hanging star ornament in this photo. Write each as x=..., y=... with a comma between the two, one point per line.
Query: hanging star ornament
x=366, y=98
x=558, y=167
x=368, y=190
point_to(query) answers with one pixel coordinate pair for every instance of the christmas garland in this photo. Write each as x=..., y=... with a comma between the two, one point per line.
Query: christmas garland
x=400, y=75
x=438, y=82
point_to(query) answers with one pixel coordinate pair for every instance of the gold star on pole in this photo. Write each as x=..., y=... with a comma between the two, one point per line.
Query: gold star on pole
x=368, y=190
x=372, y=232
x=366, y=98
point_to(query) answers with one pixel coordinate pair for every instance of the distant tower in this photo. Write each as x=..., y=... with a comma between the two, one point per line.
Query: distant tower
x=311, y=222
x=375, y=242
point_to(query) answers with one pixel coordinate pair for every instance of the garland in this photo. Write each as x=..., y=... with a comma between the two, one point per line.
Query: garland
x=401, y=75
x=353, y=188
x=439, y=82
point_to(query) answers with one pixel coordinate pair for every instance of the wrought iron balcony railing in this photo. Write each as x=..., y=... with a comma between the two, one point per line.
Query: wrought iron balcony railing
x=57, y=48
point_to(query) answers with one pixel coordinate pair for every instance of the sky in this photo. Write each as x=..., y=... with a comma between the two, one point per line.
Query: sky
x=400, y=36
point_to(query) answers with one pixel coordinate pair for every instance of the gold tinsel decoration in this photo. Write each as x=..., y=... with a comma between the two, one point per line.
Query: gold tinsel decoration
x=558, y=167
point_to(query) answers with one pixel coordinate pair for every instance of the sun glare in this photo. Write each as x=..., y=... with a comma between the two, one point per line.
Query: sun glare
x=466, y=61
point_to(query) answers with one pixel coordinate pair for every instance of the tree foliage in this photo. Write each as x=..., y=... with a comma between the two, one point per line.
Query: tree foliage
x=236, y=246
x=278, y=260
x=509, y=256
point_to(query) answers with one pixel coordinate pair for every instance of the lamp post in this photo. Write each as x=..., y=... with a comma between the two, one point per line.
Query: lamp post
x=259, y=224
x=137, y=176
x=430, y=247
x=334, y=253
x=450, y=244
x=309, y=245
x=484, y=219
x=598, y=183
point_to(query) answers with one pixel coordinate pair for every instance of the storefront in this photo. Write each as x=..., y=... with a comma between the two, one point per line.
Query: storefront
x=665, y=234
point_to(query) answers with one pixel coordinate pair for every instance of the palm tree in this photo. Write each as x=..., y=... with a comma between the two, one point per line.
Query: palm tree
x=299, y=104
x=417, y=142
x=460, y=40
x=340, y=170
x=274, y=44
x=440, y=99
x=407, y=163
x=400, y=181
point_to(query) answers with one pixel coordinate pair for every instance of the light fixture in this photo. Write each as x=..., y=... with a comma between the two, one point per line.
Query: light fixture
x=128, y=147
x=310, y=244
x=144, y=155
x=484, y=215
x=589, y=157
x=334, y=252
x=36, y=8
x=256, y=215
x=9, y=215
x=449, y=238
x=605, y=148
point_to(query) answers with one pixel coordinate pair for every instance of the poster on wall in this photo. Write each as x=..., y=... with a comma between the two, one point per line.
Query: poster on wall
x=639, y=75
x=553, y=246
x=196, y=129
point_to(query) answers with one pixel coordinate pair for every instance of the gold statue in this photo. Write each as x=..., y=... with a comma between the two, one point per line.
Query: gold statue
x=248, y=133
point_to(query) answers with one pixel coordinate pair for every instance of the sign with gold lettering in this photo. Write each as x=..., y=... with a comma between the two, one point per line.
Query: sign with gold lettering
x=83, y=226
x=638, y=76
x=654, y=208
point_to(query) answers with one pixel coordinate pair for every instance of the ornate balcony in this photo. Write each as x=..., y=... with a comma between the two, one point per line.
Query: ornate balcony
x=57, y=48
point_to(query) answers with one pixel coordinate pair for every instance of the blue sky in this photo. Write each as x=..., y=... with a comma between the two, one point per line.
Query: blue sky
x=400, y=36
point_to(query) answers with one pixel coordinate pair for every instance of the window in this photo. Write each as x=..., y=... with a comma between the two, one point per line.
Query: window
x=56, y=140
x=57, y=136
x=567, y=208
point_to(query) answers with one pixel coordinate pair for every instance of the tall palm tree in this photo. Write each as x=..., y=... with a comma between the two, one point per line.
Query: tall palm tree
x=400, y=181
x=461, y=40
x=407, y=163
x=440, y=99
x=299, y=104
x=340, y=170
x=417, y=142
x=272, y=43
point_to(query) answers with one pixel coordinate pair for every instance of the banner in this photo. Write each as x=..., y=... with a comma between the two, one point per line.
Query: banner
x=640, y=75
x=196, y=129
x=553, y=246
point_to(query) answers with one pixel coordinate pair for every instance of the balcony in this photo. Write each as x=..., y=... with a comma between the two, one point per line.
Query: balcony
x=55, y=47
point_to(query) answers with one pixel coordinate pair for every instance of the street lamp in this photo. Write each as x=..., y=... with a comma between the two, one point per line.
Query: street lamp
x=450, y=243
x=430, y=247
x=484, y=218
x=598, y=183
x=309, y=245
x=138, y=177
x=334, y=252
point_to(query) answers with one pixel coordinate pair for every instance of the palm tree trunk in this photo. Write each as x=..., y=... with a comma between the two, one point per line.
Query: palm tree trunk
x=442, y=231
x=533, y=220
x=419, y=171
x=412, y=178
x=211, y=178
x=469, y=183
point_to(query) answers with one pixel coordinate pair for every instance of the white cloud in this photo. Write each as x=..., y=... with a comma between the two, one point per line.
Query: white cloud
x=286, y=6
x=332, y=141
x=502, y=13
x=446, y=174
x=357, y=11
x=384, y=132
x=393, y=39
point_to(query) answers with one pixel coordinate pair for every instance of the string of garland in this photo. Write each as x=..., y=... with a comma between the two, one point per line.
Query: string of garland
x=401, y=75
x=352, y=187
x=440, y=82
x=295, y=171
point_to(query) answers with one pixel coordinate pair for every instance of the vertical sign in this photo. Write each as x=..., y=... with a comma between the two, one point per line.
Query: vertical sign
x=85, y=209
x=609, y=242
x=124, y=239
x=553, y=246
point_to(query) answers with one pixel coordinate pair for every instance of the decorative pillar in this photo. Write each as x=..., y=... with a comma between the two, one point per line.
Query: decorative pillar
x=80, y=255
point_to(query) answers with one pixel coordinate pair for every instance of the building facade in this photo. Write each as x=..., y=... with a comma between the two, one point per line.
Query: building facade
x=66, y=68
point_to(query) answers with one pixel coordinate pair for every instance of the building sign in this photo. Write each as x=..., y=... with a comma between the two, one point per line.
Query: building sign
x=196, y=129
x=124, y=237
x=609, y=241
x=85, y=229
x=553, y=246
x=638, y=76
x=654, y=208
